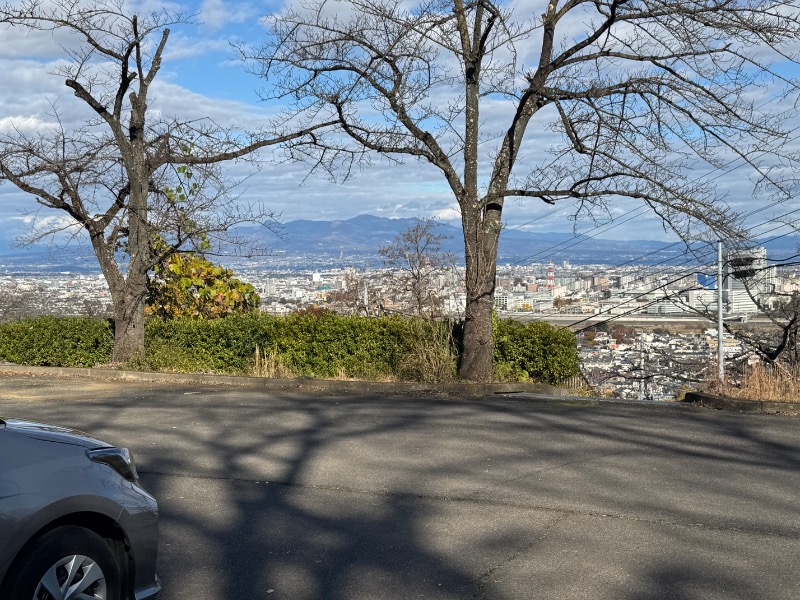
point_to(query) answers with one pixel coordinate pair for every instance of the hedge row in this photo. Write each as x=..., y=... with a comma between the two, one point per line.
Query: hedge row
x=534, y=351
x=304, y=345
x=308, y=345
x=57, y=341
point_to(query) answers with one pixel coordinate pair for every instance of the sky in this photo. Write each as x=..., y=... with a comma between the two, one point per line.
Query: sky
x=202, y=78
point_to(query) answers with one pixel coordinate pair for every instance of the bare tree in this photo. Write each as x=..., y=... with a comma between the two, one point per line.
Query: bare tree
x=350, y=296
x=419, y=267
x=640, y=94
x=360, y=294
x=16, y=305
x=139, y=184
x=775, y=343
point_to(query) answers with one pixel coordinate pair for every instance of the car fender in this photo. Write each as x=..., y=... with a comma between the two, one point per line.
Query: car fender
x=40, y=521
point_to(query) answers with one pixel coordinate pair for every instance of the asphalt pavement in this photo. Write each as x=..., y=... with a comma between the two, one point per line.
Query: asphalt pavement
x=286, y=494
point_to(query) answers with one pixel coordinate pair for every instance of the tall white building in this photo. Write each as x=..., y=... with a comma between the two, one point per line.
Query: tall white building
x=746, y=280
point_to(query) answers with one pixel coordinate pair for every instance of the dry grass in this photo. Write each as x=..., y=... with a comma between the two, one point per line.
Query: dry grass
x=270, y=365
x=776, y=384
x=431, y=359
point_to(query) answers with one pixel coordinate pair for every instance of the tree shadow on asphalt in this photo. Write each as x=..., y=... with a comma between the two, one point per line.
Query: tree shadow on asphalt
x=291, y=539
x=683, y=581
x=283, y=496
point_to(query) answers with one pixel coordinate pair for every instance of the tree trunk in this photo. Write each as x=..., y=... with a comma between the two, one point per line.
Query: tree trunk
x=129, y=304
x=128, y=297
x=476, y=358
x=481, y=237
x=129, y=323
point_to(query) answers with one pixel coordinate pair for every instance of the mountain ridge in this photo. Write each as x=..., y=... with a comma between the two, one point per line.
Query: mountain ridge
x=356, y=241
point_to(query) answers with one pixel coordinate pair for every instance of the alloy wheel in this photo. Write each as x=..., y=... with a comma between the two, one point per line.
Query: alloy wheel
x=74, y=577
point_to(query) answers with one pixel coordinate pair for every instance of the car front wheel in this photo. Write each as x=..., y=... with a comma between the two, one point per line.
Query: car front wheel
x=66, y=563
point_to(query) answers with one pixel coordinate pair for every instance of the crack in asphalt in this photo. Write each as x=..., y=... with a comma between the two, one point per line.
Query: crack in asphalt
x=483, y=580
x=580, y=461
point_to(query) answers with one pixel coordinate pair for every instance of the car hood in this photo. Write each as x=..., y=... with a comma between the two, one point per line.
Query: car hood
x=52, y=433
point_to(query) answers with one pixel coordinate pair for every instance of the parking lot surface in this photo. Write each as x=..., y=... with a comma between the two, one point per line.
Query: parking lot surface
x=267, y=494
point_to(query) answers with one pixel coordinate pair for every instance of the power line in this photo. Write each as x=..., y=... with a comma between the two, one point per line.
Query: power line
x=608, y=227
x=634, y=298
x=695, y=181
x=666, y=296
x=644, y=209
x=633, y=310
x=683, y=276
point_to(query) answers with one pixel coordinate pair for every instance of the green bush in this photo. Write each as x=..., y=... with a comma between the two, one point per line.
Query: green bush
x=315, y=344
x=212, y=346
x=321, y=345
x=57, y=341
x=330, y=345
x=534, y=351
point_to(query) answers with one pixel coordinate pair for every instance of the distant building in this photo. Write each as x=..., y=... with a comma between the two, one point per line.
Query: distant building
x=747, y=281
x=501, y=299
x=455, y=304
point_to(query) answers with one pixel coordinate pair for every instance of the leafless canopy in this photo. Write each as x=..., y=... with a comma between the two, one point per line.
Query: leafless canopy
x=643, y=94
x=420, y=267
x=625, y=98
x=86, y=171
x=139, y=183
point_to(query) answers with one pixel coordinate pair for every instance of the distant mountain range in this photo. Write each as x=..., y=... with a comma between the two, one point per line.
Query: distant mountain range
x=356, y=241
x=363, y=235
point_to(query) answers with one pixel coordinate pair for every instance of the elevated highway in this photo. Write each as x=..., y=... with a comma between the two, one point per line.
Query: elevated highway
x=641, y=320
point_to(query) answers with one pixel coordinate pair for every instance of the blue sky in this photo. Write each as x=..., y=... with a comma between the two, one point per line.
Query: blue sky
x=200, y=77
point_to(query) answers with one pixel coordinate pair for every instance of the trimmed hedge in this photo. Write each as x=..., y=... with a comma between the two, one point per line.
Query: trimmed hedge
x=534, y=351
x=308, y=344
x=57, y=341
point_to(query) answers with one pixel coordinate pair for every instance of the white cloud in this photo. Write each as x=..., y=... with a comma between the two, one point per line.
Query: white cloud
x=172, y=99
x=186, y=90
x=20, y=217
x=181, y=46
x=450, y=213
x=32, y=95
x=38, y=220
x=21, y=43
x=157, y=6
x=217, y=14
x=25, y=124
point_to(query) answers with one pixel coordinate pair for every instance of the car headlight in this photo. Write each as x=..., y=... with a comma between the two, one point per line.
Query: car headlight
x=119, y=459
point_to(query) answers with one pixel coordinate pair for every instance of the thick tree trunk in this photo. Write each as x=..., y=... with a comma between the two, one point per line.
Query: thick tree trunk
x=129, y=322
x=481, y=237
x=131, y=296
x=476, y=359
x=129, y=302
x=128, y=296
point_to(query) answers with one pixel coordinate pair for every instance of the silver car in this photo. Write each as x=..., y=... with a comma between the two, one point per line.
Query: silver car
x=74, y=521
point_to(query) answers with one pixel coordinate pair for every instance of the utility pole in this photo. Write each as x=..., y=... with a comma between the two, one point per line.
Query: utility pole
x=641, y=367
x=720, y=353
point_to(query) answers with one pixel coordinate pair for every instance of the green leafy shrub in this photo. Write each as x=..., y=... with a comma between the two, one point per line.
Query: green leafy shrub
x=315, y=344
x=328, y=345
x=534, y=351
x=309, y=344
x=57, y=341
x=188, y=285
x=193, y=345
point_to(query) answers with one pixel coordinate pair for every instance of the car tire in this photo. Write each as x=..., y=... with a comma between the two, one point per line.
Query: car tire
x=63, y=563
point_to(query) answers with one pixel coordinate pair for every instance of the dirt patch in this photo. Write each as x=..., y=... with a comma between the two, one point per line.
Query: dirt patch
x=35, y=387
